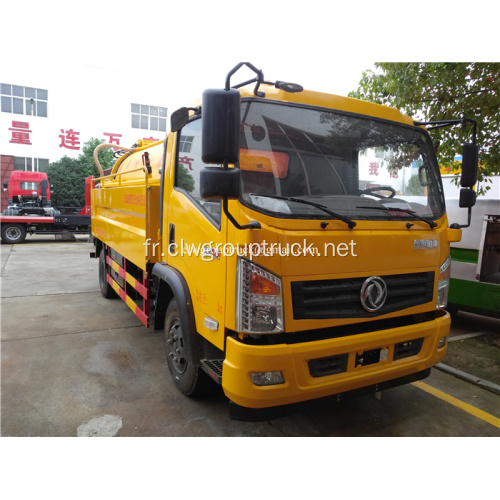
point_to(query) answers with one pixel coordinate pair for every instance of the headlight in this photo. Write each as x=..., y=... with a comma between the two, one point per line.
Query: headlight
x=443, y=284
x=260, y=300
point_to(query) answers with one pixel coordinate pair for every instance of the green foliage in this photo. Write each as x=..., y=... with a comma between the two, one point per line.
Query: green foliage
x=68, y=177
x=414, y=187
x=106, y=157
x=443, y=91
x=184, y=178
x=68, y=174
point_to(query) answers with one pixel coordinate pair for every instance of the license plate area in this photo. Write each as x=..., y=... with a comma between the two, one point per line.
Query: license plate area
x=371, y=357
x=407, y=349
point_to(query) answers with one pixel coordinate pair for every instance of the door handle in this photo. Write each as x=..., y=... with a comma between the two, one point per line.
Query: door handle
x=171, y=238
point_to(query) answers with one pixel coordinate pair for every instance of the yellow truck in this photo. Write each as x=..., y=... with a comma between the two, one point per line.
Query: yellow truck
x=291, y=244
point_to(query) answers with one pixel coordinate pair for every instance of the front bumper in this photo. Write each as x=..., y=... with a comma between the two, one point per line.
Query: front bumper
x=293, y=360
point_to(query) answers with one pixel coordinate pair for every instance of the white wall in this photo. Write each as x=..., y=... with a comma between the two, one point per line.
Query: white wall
x=91, y=102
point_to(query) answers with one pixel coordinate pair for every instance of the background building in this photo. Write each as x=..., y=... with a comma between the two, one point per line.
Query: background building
x=44, y=118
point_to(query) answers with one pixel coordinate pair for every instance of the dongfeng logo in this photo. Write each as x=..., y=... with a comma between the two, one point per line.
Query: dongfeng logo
x=373, y=293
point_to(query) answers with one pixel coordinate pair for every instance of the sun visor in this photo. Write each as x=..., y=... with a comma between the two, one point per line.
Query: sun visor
x=264, y=161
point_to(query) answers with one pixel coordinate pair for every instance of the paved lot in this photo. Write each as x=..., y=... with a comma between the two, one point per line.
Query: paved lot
x=75, y=364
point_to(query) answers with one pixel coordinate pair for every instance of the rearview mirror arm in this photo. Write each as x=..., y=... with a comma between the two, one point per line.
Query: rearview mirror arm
x=456, y=225
x=259, y=78
x=446, y=123
x=251, y=225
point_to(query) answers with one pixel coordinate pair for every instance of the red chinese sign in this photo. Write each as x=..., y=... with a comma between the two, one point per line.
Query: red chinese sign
x=69, y=139
x=113, y=138
x=20, y=133
x=373, y=168
x=186, y=161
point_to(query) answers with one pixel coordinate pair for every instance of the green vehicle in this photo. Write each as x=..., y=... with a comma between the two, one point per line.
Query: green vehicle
x=475, y=267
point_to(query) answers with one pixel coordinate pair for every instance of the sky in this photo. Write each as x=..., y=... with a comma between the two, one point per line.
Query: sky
x=171, y=51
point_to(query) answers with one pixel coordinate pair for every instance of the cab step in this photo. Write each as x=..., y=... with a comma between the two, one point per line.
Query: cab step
x=213, y=367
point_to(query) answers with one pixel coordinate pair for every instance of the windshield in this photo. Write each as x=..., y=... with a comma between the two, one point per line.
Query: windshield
x=32, y=186
x=349, y=165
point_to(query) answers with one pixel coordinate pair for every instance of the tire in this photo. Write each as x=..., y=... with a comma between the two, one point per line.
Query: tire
x=13, y=233
x=106, y=290
x=190, y=379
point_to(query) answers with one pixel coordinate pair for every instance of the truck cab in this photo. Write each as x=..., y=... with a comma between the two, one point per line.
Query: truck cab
x=23, y=185
x=310, y=259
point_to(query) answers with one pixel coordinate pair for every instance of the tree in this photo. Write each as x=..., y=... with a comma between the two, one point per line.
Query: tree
x=184, y=178
x=68, y=179
x=414, y=187
x=86, y=159
x=68, y=174
x=443, y=91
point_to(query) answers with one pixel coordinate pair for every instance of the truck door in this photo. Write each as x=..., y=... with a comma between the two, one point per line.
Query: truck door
x=196, y=236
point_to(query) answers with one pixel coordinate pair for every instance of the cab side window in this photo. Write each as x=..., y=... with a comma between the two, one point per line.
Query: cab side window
x=188, y=167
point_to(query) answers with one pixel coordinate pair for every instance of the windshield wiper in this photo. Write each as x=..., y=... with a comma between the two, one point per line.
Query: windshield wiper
x=348, y=221
x=431, y=223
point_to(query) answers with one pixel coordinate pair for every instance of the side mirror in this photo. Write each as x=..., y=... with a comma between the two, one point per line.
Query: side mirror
x=467, y=198
x=217, y=183
x=422, y=176
x=469, y=166
x=178, y=119
x=221, y=126
x=5, y=186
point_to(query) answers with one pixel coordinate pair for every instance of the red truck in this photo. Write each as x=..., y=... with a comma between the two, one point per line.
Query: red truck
x=30, y=209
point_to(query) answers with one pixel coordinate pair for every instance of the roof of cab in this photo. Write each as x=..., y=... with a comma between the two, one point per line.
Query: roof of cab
x=324, y=100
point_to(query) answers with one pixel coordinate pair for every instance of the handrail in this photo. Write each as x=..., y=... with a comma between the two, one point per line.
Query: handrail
x=106, y=145
x=119, y=175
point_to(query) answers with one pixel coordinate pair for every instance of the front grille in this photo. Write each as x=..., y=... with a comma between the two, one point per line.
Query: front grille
x=325, y=299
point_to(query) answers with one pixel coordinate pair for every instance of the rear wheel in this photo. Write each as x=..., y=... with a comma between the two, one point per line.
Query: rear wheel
x=189, y=378
x=106, y=290
x=13, y=233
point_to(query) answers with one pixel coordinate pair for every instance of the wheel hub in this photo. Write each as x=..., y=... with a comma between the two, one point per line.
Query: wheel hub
x=13, y=233
x=175, y=347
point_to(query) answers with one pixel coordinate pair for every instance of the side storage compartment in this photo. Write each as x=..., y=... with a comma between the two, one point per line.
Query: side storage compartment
x=126, y=218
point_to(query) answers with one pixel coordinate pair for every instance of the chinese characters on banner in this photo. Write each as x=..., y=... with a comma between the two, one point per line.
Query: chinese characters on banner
x=113, y=139
x=373, y=170
x=20, y=133
x=185, y=160
x=69, y=139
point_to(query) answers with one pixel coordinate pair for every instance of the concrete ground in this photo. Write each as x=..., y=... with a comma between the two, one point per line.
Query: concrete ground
x=76, y=364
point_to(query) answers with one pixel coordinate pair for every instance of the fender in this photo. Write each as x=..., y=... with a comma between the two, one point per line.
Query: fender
x=180, y=290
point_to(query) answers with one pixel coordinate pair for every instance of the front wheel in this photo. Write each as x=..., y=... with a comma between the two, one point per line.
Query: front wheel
x=189, y=378
x=13, y=233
